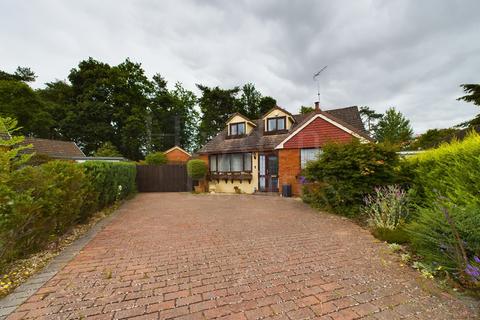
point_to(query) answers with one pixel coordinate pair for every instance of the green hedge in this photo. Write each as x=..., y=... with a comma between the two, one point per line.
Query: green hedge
x=109, y=181
x=156, y=158
x=38, y=204
x=446, y=190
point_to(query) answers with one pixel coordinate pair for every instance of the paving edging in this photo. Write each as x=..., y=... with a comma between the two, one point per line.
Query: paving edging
x=21, y=294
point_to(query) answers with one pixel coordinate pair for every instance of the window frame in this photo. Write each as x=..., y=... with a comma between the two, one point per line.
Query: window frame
x=236, y=125
x=284, y=118
x=304, y=165
x=216, y=156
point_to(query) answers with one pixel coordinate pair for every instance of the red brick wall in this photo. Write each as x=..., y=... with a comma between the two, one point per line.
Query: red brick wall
x=316, y=134
x=203, y=157
x=177, y=156
x=289, y=168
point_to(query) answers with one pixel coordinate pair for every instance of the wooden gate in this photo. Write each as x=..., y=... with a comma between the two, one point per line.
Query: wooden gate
x=164, y=178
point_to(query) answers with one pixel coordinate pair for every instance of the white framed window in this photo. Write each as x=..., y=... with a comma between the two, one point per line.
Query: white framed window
x=237, y=129
x=231, y=162
x=237, y=162
x=309, y=154
x=224, y=162
x=276, y=124
x=213, y=163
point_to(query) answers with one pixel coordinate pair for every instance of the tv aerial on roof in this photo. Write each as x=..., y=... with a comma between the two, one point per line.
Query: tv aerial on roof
x=316, y=77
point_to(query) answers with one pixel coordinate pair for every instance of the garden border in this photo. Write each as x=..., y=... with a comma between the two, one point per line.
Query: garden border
x=21, y=294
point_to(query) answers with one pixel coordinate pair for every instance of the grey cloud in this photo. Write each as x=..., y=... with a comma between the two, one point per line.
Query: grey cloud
x=409, y=54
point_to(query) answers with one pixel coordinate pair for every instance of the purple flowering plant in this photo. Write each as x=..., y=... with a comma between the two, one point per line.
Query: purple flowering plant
x=473, y=269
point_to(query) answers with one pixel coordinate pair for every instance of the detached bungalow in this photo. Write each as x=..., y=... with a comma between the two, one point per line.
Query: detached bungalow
x=263, y=154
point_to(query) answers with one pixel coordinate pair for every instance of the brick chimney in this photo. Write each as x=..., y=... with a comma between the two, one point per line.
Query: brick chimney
x=317, y=106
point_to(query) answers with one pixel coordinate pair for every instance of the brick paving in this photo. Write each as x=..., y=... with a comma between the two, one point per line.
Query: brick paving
x=184, y=256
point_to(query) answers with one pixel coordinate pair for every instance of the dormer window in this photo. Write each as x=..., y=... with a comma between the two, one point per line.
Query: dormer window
x=237, y=129
x=276, y=124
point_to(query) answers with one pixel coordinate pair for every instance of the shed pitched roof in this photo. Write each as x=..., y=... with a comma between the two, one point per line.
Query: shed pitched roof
x=54, y=148
x=179, y=149
x=257, y=141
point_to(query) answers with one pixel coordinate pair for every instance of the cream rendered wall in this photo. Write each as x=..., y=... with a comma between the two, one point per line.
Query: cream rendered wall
x=245, y=186
x=278, y=113
x=237, y=118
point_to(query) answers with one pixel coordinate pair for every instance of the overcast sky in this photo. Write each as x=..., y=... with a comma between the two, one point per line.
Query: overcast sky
x=412, y=55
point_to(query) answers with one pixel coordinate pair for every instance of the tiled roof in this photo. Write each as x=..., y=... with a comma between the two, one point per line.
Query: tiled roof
x=257, y=141
x=54, y=148
x=351, y=116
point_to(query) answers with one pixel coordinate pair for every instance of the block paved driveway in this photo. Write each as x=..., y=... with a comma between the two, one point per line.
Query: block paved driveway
x=184, y=256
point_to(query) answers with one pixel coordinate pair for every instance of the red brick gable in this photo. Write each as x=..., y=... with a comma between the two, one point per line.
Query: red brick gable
x=316, y=134
x=176, y=155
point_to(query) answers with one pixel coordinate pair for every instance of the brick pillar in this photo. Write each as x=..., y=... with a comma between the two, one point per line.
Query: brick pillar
x=289, y=169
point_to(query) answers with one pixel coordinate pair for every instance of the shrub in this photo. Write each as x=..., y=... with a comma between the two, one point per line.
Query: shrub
x=107, y=149
x=398, y=235
x=451, y=171
x=38, y=159
x=156, y=158
x=345, y=173
x=446, y=188
x=108, y=182
x=386, y=208
x=196, y=169
x=447, y=237
x=40, y=203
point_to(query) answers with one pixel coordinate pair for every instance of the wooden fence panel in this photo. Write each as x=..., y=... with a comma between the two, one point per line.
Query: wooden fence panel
x=165, y=178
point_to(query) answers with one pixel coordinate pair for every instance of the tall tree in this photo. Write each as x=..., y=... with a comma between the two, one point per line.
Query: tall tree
x=188, y=117
x=472, y=95
x=249, y=102
x=432, y=138
x=24, y=74
x=393, y=128
x=370, y=118
x=110, y=104
x=59, y=101
x=216, y=105
x=265, y=104
x=18, y=100
x=305, y=109
x=173, y=118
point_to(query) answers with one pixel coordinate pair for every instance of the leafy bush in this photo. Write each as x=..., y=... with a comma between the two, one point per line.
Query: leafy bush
x=386, y=207
x=345, y=173
x=156, y=158
x=109, y=182
x=37, y=204
x=107, y=149
x=196, y=169
x=38, y=159
x=447, y=238
x=450, y=171
x=398, y=235
x=446, y=186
